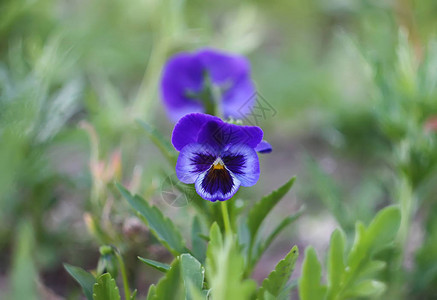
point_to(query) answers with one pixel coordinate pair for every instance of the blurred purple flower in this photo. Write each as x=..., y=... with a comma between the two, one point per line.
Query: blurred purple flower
x=216, y=156
x=207, y=81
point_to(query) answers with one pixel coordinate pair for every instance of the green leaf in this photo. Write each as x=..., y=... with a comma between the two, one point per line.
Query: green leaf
x=163, y=144
x=309, y=283
x=192, y=274
x=262, y=247
x=152, y=292
x=335, y=263
x=384, y=228
x=155, y=264
x=366, y=289
x=262, y=208
x=277, y=280
x=134, y=295
x=85, y=279
x=198, y=243
x=359, y=249
x=24, y=274
x=161, y=227
x=224, y=265
x=105, y=288
x=170, y=286
x=371, y=268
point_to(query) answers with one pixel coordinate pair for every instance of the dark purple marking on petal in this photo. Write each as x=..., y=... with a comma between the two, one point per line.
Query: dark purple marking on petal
x=217, y=180
x=202, y=161
x=243, y=162
x=193, y=160
x=234, y=163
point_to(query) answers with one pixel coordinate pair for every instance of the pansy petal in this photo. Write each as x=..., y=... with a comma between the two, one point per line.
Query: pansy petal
x=183, y=72
x=223, y=67
x=193, y=160
x=242, y=161
x=217, y=184
x=219, y=134
x=263, y=147
x=231, y=73
x=188, y=127
x=238, y=101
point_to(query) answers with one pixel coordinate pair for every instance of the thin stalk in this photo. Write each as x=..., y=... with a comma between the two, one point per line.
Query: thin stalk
x=226, y=220
x=123, y=276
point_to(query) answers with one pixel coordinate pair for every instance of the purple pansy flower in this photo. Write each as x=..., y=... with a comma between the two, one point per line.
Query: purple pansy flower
x=216, y=156
x=207, y=81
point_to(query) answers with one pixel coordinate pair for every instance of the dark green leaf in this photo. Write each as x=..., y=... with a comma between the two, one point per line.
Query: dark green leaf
x=158, y=139
x=277, y=280
x=198, y=243
x=105, y=288
x=262, y=247
x=155, y=264
x=192, y=274
x=262, y=208
x=170, y=286
x=163, y=228
x=86, y=280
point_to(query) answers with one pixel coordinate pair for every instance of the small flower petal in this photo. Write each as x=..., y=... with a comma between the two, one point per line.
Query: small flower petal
x=187, y=129
x=193, y=160
x=242, y=161
x=263, y=147
x=183, y=72
x=219, y=134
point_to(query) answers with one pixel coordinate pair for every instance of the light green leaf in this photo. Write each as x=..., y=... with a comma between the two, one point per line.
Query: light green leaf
x=163, y=228
x=85, y=279
x=224, y=265
x=366, y=289
x=134, y=295
x=277, y=280
x=359, y=249
x=163, y=144
x=192, y=274
x=152, y=292
x=335, y=263
x=309, y=283
x=371, y=268
x=24, y=274
x=105, y=288
x=261, y=209
x=170, y=286
x=155, y=264
x=384, y=228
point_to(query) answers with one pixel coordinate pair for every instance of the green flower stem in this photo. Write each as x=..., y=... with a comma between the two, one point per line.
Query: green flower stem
x=123, y=275
x=226, y=220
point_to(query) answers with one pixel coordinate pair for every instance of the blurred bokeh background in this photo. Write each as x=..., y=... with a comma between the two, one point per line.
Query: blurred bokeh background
x=353, y=85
